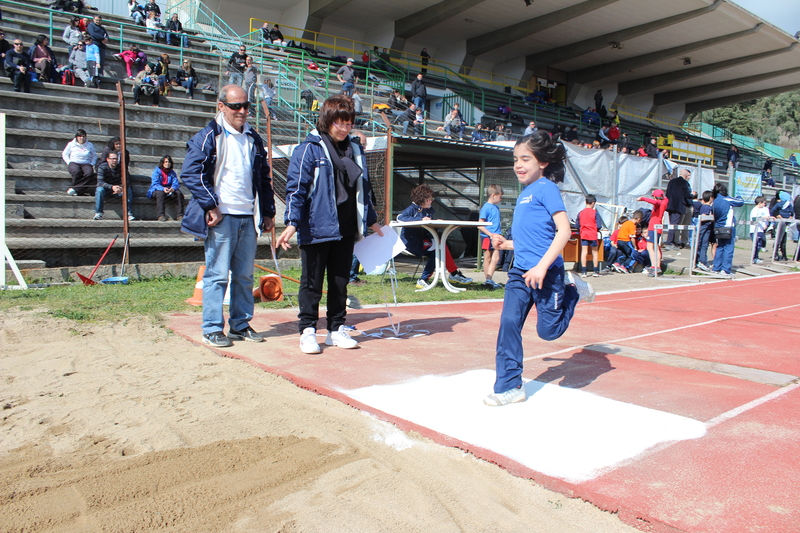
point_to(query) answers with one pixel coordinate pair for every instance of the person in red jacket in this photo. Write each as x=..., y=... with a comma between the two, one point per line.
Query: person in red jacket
x=589, y=222
x=613, y=134
x=659, y=203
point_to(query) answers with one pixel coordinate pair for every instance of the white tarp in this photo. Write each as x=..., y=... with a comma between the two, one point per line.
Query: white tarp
x=638, y=176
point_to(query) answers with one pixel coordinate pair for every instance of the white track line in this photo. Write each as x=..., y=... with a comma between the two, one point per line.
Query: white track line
x=751, y=405
x=619, y=341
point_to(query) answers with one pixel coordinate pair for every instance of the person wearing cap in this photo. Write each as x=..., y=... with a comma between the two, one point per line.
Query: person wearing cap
x=146, y=82
x=347, y=76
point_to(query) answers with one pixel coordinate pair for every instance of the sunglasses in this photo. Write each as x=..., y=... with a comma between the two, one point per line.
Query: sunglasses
x=17, y=44
x=236, y=106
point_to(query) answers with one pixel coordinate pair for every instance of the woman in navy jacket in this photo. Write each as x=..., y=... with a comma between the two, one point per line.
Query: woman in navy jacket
x=329, y=207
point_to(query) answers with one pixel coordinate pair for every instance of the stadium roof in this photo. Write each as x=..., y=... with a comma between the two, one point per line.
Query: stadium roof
x=668, y=57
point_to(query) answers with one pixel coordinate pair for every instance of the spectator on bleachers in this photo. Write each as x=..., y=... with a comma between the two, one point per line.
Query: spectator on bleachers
x=175, y=32
x=136, y=12
x=152, y=7
x=766, y=173
x=424, y=57
x=154, y=27
x=453, y=126
x=80, y=157
x=18, y=67
x=347, y=77
x=651, y=150
x=187, y=77
x=409, y=118
x=499, y=133
x=162, y=71
x=250, y=79
x=641, y=152
x=358, y=101
x=109, y=183
x=793, y=161
x=71, y=6
x=625, y=142
x=77, y=63
x=276, y=36
x=164, y=185
x=236, y=65
x=419, y=92
x=92, y=61
x=146, y=83
x=42, y=58
x=590, y=117
x=72, y=33
x=531, y=128
x=268, y=93
x=114, y=146
x=602, y=136
x=265, y=33
x=598, y=99
x=477, y=133
x=397, y=102
x=5, y=46
x=100, y=38
x=613, y=134
x=133, y=57
x=571, y=134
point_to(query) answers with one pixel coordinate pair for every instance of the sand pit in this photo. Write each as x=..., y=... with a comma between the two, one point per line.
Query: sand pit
x=127, y=427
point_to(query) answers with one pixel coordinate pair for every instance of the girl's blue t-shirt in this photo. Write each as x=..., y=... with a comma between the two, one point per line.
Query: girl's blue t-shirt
x=533, y=228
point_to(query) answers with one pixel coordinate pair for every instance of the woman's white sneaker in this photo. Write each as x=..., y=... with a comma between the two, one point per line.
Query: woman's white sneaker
x=340, y=338
x=308, y=341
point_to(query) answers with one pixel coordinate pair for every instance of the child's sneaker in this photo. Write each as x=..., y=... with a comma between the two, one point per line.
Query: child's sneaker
x=703, y=267
x=458, y=277
x=584, y=274
x=308, y=341
x=757, y=261
x=422, y=283
x=595, y=274
x=507, y=397
x=585, y=291
x=341, y=339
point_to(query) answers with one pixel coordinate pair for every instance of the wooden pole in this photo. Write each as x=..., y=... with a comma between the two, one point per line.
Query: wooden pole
x=123, y=160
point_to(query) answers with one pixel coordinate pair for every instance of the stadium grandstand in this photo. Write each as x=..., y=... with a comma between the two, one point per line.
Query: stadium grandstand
x=645, y=64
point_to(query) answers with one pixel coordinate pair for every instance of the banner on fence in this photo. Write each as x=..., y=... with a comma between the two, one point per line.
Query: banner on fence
x=748, y=186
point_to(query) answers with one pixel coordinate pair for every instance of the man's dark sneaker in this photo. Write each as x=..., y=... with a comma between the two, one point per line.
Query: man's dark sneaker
x=247, y=334
x=217, y=339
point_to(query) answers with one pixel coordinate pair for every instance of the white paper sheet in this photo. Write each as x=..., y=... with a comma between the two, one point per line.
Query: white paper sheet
x=375, y=250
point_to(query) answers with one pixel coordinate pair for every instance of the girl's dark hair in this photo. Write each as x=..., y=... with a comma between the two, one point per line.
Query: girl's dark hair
x=336, y=108
x=112, y=141
x=41, y=38
x=420, y=193
x=546, y=150
x=80, y=133
x=166, y=157
x=719, y=189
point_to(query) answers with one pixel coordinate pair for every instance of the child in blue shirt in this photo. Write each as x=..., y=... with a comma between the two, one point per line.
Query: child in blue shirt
x=541, y=230
x=705, y=235
x=490, y=213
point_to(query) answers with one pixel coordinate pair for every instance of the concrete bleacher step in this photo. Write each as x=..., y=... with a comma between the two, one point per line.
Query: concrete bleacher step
x=45, y=207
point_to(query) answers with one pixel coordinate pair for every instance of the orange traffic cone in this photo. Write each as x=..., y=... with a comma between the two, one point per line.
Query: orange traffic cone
x=270, y=289
x=197, y=297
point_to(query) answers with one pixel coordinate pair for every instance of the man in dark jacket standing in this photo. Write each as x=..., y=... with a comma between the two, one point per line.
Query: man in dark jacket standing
x=679, y=194
x=419, y=93
x=227, y=173
x=109, y=183
x=99, y=35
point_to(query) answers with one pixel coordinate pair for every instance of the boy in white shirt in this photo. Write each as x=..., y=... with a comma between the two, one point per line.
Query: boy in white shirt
x=758, y=227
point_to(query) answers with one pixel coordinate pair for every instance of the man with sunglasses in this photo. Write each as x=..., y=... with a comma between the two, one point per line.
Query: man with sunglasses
x=232, y=201
x=18, y=67
x=237, y=65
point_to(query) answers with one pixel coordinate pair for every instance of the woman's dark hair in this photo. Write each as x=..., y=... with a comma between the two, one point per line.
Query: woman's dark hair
x=112, y=141
x=719, y=189
x=80, y=133
x=546, y=150
x=421, y=193
x=41, y=39
x=165, y=158
x=336, y=108
x=74, y=21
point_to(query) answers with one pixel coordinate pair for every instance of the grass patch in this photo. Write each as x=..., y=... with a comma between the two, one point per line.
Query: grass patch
x=155, y=297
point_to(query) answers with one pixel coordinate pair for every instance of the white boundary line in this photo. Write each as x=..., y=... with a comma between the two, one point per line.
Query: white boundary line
x=750, y=405
x=619, y=341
